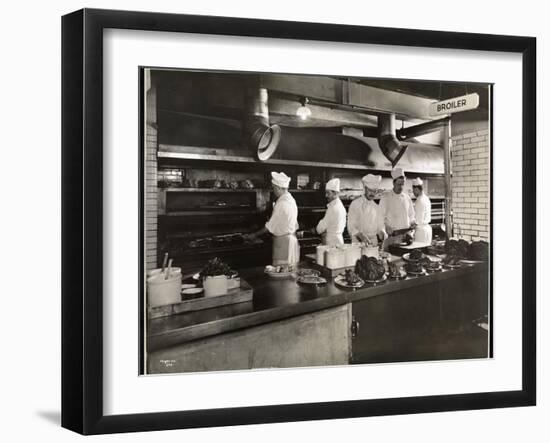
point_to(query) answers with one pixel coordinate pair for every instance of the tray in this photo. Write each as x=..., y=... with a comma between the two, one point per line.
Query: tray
x=236, y=295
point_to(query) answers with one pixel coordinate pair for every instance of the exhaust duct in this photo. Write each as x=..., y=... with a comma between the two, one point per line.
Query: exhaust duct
x=391, y=147
x=259, y=136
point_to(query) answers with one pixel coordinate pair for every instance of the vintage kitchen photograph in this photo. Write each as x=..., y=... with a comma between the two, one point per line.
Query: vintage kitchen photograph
x=295, y=221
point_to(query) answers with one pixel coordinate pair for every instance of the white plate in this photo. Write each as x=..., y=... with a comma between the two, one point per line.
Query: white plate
x=317, y=280
x=340, y=280
x=188, y=286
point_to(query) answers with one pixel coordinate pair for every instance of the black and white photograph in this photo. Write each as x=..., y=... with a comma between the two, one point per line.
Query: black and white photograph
x=299, y=220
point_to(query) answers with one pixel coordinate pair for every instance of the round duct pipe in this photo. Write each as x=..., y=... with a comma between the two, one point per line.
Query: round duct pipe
x=259, y=136
x=391, y=147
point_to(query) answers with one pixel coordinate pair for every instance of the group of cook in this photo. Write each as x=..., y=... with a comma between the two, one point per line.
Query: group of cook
x=368, y=222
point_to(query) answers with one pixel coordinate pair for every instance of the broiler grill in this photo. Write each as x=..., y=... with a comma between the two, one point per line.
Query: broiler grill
x=197, y=224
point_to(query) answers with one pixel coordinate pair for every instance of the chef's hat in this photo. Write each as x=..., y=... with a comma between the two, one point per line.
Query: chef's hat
x=417, y=182
x=333, y=185
x=280, y=179
x=372, y=181
x=397, y=172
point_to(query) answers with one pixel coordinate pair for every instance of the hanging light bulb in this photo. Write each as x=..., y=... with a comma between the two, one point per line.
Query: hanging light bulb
x=303, y=111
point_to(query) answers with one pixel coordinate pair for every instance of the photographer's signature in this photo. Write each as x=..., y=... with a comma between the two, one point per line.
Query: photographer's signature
x=168, y=363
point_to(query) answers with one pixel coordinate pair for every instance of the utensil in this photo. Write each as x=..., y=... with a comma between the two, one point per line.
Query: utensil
x=164, y=262
x=167, y=275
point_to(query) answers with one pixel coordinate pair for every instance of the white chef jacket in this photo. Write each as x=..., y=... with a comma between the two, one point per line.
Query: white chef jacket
x=365, y=217
x=332, y=225
x=423, y=212
x=284, y=218
x=397, y=210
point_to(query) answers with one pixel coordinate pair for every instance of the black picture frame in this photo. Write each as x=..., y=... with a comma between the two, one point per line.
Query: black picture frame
x=82, y=218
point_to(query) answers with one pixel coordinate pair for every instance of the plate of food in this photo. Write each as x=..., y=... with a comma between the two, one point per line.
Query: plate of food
x=281, y=271
x=306, y=272
x=370, y=269
x=379, y=280
x=414, y=255
x=349, y=280
x=415, y=268
x=452, y=261
x=434, y=267
x=396, y=272
x=312, y=280
x=431, y=265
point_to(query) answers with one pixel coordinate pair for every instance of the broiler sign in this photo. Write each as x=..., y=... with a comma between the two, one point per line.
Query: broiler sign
x=457, y=104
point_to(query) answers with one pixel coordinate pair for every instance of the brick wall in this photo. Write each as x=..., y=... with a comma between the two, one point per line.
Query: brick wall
x=470, y=183
x=151, y=192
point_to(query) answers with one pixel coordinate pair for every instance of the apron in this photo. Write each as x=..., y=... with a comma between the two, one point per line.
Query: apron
x=423, y=234
x=332, y=239
x=286, y=250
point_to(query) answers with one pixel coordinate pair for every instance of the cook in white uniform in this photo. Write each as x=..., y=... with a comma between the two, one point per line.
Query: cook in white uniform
x=423, y=213
x=365, y=218
x=332, y=225
x=283, y=223
x=397, y=209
